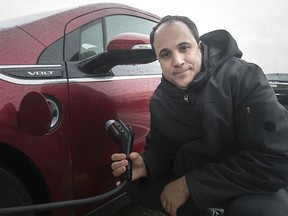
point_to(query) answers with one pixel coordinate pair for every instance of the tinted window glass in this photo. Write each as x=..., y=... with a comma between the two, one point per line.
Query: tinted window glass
x=117, y=24
x=53, y=53
x=277, y=77
x=91, y=40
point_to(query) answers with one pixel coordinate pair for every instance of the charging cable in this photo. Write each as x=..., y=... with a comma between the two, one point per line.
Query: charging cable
x=124, y=136
x=61, y=204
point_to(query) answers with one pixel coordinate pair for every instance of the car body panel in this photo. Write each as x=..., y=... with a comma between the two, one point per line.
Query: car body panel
x=72, y=160
x=18, y=47
x=105, y=101
x=49, y=153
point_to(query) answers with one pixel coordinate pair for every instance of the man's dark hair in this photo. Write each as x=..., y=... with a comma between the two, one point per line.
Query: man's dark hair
x=170, y=19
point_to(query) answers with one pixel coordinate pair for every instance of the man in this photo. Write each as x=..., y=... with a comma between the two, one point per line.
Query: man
x=218, y=136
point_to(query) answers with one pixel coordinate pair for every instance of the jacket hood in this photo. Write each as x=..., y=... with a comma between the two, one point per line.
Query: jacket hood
x=220, y=46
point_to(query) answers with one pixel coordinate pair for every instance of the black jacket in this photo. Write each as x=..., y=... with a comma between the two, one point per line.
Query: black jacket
x=230, y=122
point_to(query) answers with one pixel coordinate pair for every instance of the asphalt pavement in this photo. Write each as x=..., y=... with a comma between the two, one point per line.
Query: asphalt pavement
x=135, y=210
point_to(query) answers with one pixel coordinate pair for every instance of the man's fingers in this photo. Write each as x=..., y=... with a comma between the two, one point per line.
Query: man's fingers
x=167, y=205
x=119, y=171
x=119, y=164
x=164, y=203
x=118, y=157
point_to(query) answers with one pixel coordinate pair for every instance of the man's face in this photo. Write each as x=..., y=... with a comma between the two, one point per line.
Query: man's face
x=178, y=53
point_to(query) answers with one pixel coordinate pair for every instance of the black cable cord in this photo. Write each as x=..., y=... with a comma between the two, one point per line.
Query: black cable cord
x=61, y=204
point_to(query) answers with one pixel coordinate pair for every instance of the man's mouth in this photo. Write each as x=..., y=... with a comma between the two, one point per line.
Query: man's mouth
x=176, y=72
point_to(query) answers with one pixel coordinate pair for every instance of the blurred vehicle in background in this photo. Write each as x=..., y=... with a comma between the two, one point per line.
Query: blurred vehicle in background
x=61, y=78
x=279, y=83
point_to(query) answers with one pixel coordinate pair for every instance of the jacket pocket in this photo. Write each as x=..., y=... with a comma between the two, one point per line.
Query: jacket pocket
x=263, y=126
x=247, y=129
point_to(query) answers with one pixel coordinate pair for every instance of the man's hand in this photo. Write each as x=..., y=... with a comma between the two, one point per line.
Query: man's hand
x=174, y=195
x=120, y=162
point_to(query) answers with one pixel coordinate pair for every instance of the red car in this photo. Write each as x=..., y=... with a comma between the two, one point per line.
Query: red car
x=62, y=77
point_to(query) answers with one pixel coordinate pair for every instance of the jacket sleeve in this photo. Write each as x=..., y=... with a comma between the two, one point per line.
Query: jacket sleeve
x=261, y=163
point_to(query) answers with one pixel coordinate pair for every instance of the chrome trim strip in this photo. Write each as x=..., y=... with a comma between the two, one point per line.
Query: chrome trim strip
x=115, y=78
x=32, y=82
x=63, y=81
x=27, y=66
x=73, y=80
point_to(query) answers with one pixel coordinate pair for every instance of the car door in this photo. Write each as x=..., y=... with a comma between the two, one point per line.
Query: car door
x=122, y=93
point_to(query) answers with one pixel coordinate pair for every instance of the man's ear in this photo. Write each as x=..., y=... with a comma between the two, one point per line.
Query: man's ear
x=200, y=45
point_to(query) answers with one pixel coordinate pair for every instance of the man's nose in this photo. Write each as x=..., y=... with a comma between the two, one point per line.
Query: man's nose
x=178, y=59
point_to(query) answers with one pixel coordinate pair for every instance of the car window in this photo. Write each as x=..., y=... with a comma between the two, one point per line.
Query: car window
x=91, y=40
x=117, y=24
x=91, y=35
x=277, y=77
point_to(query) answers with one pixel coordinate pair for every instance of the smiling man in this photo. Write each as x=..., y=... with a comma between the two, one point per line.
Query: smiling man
x=218, y=135
x=179, y=55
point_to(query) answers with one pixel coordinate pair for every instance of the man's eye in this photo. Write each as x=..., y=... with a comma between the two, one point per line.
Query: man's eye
x=184, y=48
x=164, y=55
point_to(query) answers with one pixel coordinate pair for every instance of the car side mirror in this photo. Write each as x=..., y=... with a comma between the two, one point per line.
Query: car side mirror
x=123, y=49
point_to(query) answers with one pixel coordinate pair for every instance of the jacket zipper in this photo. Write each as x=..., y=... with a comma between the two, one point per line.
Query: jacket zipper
x=186, y=102
x=186, y=98
x=248, y=109
x=252, y=126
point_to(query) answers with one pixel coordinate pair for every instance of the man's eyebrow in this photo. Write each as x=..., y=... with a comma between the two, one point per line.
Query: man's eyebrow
x=178, y=45
x=183, y=43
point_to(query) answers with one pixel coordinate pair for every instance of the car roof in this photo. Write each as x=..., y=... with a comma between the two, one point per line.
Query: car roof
x=57, y=23
x=35, y=36
x=18, y=21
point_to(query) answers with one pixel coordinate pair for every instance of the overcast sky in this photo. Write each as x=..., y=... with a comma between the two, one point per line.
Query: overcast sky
x=259, y=27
